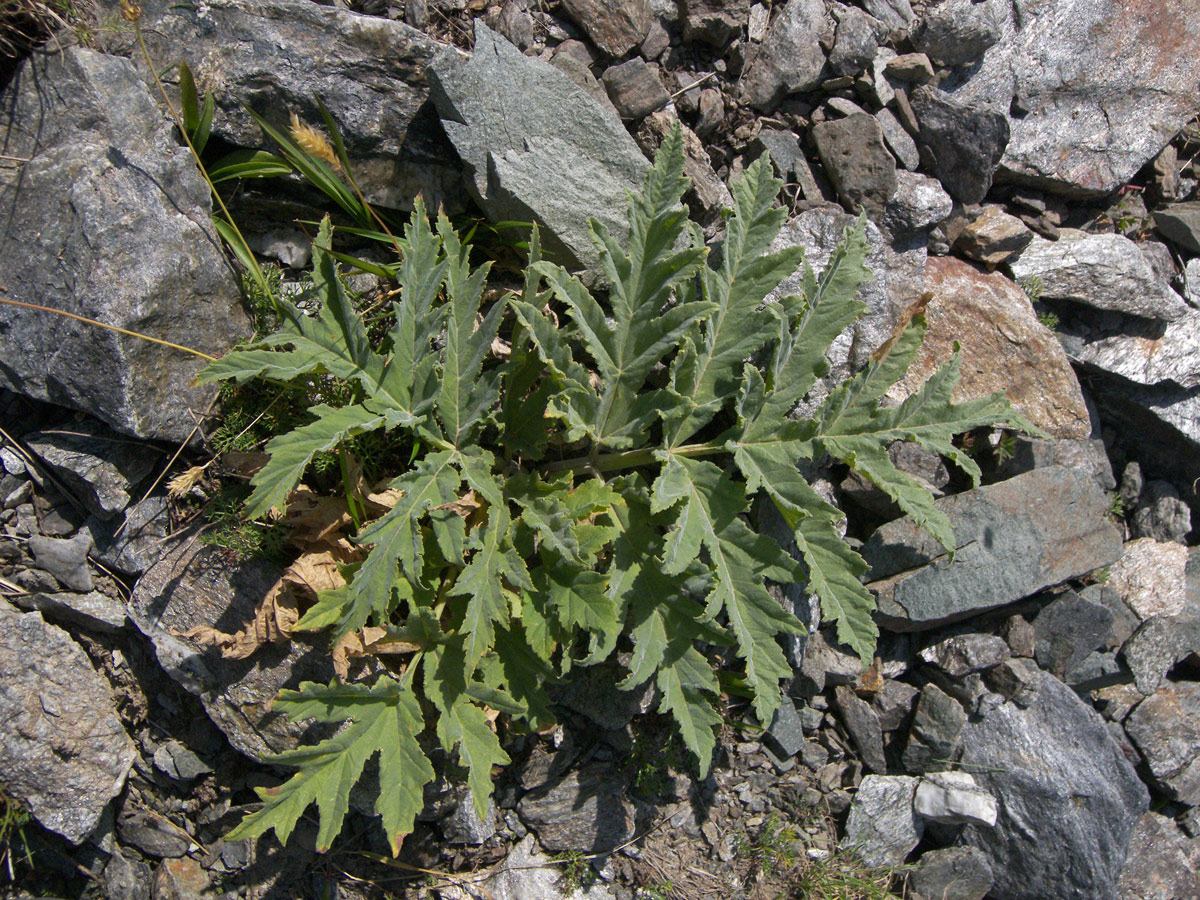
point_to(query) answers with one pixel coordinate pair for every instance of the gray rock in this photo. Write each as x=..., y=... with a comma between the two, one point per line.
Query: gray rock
x=935, y=738
x=784, y=148
x=863, y=725
x=1166, y=730
x=541, y=149
x=862, y=170
x=1151, y=577
x=955, y=873
x=1068, y=798
x=1068, y=630
x=525, y=874
x=1158, y=645
x=12, y=463
x=64, y=558
x=842, y=106
x=93, y=611
x=1101, y=88
x=853, y=43
x=110, y=220
x=614, y=27
x=911, y=67
x=920, y=203
x=585, y=810
x=825, y=664
x=1180, y=223
x=1087, y=455
x=196, y=586
x=64, y=753
x=464, y=826
x=903, y=147
x=993, y=236
x=1013, y=538
x=714, y=22
x=153, y=835
x=592, y=693
x=880, y=91
x=1103, y=271
x=96, y=465
x=635, y=88
x=896, y=15
x=894, y=704
x=882, y=828
x=956, y=32
x=962, y=654
x=785, y=734
x=790, y=59
x=1163, y=864
x=966, y=142
x=179, y=763
x=143, y=532
x=126, y=879
x=370, y=73
x=1161, y=514
x=953, y=798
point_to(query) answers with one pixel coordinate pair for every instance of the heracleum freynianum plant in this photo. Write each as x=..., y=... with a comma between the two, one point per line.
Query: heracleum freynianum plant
x=612, y=458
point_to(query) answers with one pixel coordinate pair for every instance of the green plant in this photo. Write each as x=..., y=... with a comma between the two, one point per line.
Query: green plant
x=772, y=849
x=840, y=876
x=1006, y=447
x=1116, y=506
x=577, y=872
x=567, y=498
x=1049, y=320
x=13, y=819
x=1032, y=286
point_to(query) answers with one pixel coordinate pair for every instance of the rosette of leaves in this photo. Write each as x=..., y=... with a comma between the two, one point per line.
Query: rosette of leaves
x=611, y=456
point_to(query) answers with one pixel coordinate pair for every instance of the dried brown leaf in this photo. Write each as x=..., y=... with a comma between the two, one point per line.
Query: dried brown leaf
x=273, y=622
x=463, y=506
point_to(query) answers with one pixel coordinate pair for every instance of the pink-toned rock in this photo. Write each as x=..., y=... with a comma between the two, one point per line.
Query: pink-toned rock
x=1004, y=348
x=1150, y=577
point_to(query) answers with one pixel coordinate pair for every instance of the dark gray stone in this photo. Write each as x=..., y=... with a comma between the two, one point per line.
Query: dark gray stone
x=93, y=611
x=1158, y=645
x=635, y=88
x=863, y=724
x=109, y=220
x=896, y=15
x=1163, y=863
x=592, y=692
x=853, y=43
x=1068, y=798
x=784, y=148
x=785, y=734
x=962, y=654
x=858, y=163
x=179, y=763
x=196, y=586
x=790, y=59
x=615, y=26
x=966, y=142
x=541, y=150
x=369, y=72
x=585, y=810
x=64, y=558
x=63, y=753
x=1180, y=223
x=714, y=22
x=1068, y=630
x=1161, y=514
x=882, y=828
x=97, y=466
x=920, y=203
x=894, y=704
x=935, y=738
x=956, y=32
x=126, y=879
x=1087, y=455
x=1166, y=730
x=1012, y=539
x=142, y=534
x=899, y=141
x=1096, y=89
x=955, y=873
x=153, y=835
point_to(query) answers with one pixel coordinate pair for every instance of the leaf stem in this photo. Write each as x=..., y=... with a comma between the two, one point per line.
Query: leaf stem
x=629, y=459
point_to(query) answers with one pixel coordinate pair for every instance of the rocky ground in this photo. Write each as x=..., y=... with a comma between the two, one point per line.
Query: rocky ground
x=1031, y=726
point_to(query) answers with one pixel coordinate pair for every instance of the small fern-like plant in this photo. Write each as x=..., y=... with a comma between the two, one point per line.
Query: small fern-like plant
x=611, y=456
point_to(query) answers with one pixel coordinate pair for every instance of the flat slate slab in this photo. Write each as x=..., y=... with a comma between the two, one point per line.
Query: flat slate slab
x=1012, y=539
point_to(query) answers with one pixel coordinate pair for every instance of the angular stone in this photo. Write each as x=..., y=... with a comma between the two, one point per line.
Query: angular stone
x=97, y=466
x=1013, y=539
x=896, y=15
x=615, y=27
x=181, y=879
x=1161, y=514
x=63, y=753
x=784, y=148
x=539, y=150
x=962, y=654
x=179, y=763
x=863, y=724
x=911, y=67
x=135, y=549
x=862, y=170
x=1144, y=351
x=65, y=559
x=903, y=147
x=953, y=798
x=1087, y=455
x=1163, y=863
x=196, y=586
x=635, y=88
x=1003, y=347
x=935, y=738
x=715, y=22
x=153, y=835
x=955, y=873
x=1166, y=730
x=853, y=42
x=993, y=236
x=1102, y=88
x=108, y=220
x=920, y=203
x=882, y=828
x=1158, y=645
x=1068, y=630
x=526, y=873
x=1068, y=798
x=585, y=810
x=790, y=58
x=126, y=879
x=956, y=32
x=92, y=612
x=1180, y=223
x=966, y=142
x=785, y=734
x=894, y=704
x=1150, y=577
x=1103, y=271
